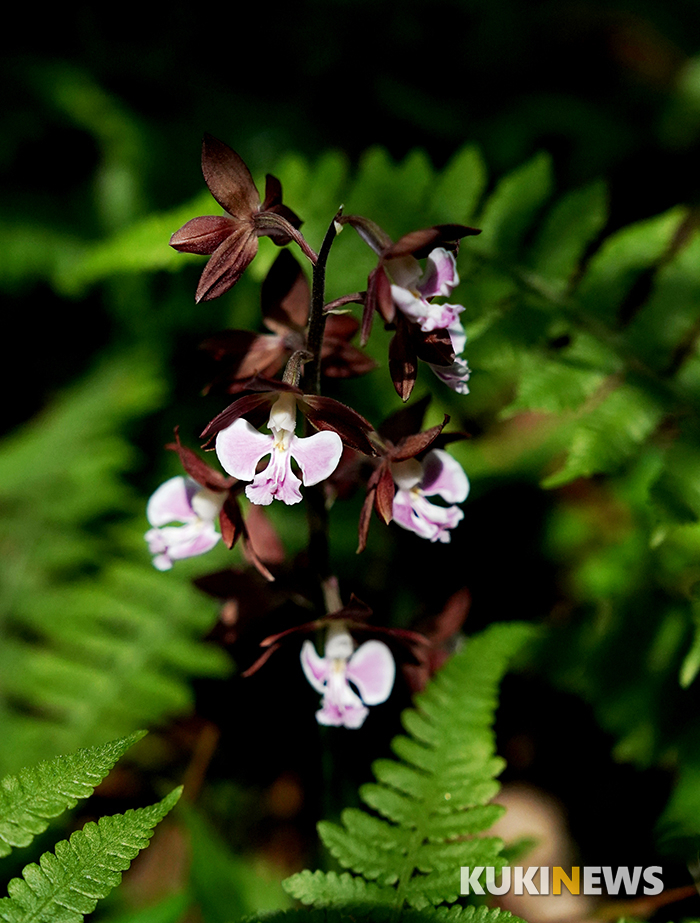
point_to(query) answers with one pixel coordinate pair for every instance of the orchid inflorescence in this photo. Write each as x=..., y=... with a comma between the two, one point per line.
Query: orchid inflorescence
x=403, y=468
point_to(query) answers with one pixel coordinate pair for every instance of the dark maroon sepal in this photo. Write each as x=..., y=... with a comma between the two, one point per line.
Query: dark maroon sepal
x=228, y=178
x=285, y=295
x=411, y=446
x=403, y=361
x=420, y=243
x=198, y=470
x=203, y=235
x=384, y=495
x=227, y=264
x=238, y=408
x=369, y=231
x=325, y=413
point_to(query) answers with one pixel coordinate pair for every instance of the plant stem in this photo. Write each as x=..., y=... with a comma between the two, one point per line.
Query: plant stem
x=317, y=514
x=317, y=316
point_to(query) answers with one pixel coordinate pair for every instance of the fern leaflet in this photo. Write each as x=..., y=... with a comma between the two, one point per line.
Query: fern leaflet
x=29, y=799
x=68, y=883
x=432, y=800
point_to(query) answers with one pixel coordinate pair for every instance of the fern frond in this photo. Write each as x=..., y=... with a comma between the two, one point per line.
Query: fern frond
x=67, y=884
x=31, y=798
x=327, y=889
x=94, y=641
x=433, y=800
x=383, y=914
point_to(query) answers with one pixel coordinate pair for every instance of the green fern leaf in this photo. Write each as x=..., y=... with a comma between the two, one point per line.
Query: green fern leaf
x=570, y=226
x=29, y=799
x=387, y=915
x=433, y=800
x=324, y=889
x=68, y=883
x=513, y=206
x=613, y=270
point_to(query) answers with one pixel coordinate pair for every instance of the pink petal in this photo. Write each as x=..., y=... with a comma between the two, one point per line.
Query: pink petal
x=456, y=331
x=174, y=543
x=240, y=447
x=372, y=669
x=443, y=475
x=455, y=376
x=315, y=668
x=172, y=502
x=408, y=303
x=317, y=455
x=349, y=716
x=440, y=275
x=413, y=512
x=276, y=482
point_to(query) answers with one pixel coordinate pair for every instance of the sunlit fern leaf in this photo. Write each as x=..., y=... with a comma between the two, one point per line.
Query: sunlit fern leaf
x=433, y=800
x=570, y=226
x=383, y=914
x=29, y=799
x=621, y=259
x=512, y=207
x=68, y=883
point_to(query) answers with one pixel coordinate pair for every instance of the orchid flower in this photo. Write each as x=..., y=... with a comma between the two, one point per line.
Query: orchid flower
x=182, y=500
x=240, y=447
x=412, y=289
x=231, y=240
x=411, y=293
x=439, y=474
x=370, y=668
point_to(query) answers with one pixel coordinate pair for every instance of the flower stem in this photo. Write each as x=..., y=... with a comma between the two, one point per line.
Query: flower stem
x=316, y=511
x=317, y=316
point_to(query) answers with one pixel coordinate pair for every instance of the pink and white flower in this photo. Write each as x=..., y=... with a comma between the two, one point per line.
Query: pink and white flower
x=438, y=475
x=182, y=500
x=413, y=290
x=370, y=668
x=240, y=447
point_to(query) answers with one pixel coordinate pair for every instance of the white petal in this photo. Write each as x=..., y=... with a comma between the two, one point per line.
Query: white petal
x=315, y=668
x=317, y=455
x=372, y=669
x=172, y=502
x=445, y=476
x=240, y=447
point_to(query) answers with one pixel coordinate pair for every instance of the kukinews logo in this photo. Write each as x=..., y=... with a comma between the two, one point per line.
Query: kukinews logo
x=590, y=879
